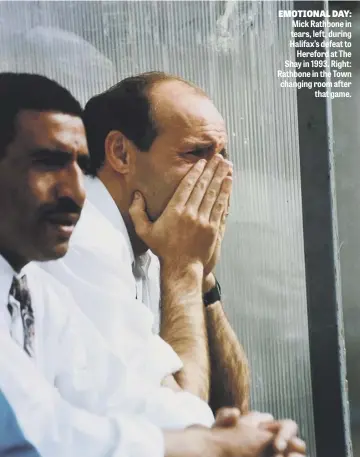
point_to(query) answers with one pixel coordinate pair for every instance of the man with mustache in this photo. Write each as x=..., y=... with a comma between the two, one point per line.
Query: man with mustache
x=71, y=395
x=145, y=134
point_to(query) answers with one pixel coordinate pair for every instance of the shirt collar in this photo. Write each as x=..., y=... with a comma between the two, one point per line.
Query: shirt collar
x=98, y=195
x=6, y=276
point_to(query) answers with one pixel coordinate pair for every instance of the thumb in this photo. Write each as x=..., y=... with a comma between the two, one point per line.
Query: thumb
x=227, y=417
x=139, y=217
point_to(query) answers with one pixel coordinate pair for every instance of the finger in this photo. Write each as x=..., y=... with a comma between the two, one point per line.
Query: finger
x=138, y=215
x=256, y=419
x=220, y=204
x=285, y=434
x=285, y=430
x=203, y=182
x=228, y=204
x=292, y=454
x=213, y=189
x=263, y=445
x=187, y=184
x=227, y=417
x=296, y=445
x=223, y=221
x=222, y=227
x=266, y=449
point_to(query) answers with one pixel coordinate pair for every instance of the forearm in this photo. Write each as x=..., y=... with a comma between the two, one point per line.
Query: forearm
x=239, y=440
x=183, y=325
x=230, y=376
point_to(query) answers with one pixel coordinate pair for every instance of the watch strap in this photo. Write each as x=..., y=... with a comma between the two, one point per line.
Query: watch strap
x=213, y=295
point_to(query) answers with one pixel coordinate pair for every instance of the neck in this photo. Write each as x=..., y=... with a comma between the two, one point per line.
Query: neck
x=122, y=199
x=16, y=261
x=139, y=247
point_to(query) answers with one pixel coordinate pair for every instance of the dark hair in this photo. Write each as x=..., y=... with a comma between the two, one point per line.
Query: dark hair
x=126, y=107
x=21, y=91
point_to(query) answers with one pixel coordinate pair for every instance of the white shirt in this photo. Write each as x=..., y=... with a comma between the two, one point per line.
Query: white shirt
x=98, y=270
x=76, y=397
x=145, y=268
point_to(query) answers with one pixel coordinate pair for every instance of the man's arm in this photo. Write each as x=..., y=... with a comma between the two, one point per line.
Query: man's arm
x=57, y=428
x=183, y=326
x=237, y=441
x=184, y=238
x=230, y=374
x=234, y=436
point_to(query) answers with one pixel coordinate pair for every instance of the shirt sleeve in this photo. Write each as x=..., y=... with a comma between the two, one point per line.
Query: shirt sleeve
x=104, y=289
x=176, y=410
x=92, y=376
x=56, y=428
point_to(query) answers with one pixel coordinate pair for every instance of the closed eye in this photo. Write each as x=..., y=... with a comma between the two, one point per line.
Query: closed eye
x=206, y=152
x=50, y=159
x=55, y=160
x=201, y=152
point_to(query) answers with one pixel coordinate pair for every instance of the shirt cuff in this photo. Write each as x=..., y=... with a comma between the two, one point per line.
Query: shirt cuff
x=160, y=361
x=137, y=437
x=177, y=410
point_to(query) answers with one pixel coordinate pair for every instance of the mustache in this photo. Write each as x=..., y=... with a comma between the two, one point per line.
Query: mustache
x=63, y=205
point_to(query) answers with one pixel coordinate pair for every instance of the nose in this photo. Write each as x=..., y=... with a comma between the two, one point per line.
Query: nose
x=70, y=183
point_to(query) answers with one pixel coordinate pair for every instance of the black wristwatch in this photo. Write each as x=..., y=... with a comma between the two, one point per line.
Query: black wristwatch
x=213, y=295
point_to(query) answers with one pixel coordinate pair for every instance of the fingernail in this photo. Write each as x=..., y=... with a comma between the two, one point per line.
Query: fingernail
x=281, y=445
x=136, y=195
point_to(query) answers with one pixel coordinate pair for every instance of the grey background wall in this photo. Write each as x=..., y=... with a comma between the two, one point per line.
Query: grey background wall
x=232, y=50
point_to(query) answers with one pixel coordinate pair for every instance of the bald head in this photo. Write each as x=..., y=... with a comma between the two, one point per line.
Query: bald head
x=132, y=107
x=177, y=105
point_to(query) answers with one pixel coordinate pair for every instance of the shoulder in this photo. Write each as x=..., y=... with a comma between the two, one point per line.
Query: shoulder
x=97, y=263
x=48, y=291
x=94, y=234
x=43, y=279
x=92, y=226
x=52, y=302
x=95, y=245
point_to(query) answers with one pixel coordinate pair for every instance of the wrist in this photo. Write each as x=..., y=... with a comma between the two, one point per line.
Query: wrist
x=209, y=282
x=213, y=295
x=175, y=271
x=217, y=442
x=191, y=442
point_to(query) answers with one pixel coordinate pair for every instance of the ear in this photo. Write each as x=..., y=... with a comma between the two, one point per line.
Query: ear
x=117, y=151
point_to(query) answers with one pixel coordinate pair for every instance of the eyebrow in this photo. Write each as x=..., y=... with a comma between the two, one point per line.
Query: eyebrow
x=36, y=153
x=82, y=159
